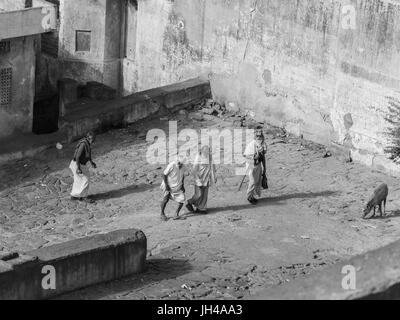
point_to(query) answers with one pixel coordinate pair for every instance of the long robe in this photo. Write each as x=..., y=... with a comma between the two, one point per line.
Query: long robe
x=80, y=188
x=203, y=173
x=255, y=171
x=255, y=181
x=83, y=151
x=200, y=198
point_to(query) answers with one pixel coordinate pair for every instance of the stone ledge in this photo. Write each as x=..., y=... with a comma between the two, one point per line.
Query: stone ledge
x=377, y=277
x=28, y=145
x=105, y=115
x=78, y=264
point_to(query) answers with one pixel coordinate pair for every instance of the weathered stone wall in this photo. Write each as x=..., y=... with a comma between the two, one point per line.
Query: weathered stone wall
x=86, y=16
x=129, y=71
x=48, y=73
x=17, y=116
x=325, y=69
x=113, y=44
x=102, y=19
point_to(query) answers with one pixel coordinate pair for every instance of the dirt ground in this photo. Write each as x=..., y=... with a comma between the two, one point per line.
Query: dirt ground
x=310, y=218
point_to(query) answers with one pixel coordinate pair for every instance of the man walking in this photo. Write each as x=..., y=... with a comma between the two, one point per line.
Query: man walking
x=83, y=155
x=173, y=187
x=256, y=165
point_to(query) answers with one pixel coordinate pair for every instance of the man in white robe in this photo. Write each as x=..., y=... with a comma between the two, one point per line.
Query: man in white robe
x=173, y=187
x=80, y=171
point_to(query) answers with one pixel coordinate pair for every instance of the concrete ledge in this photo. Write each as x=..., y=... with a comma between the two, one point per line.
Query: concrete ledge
x=377, y=277
x=18, y=147
x=25, y=22
x=30, y=152
x=104, y=115
x=77, y=264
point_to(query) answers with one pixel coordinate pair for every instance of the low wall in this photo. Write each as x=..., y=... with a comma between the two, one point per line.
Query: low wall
x=103, y=115
x=377, y=276
x=77, y=264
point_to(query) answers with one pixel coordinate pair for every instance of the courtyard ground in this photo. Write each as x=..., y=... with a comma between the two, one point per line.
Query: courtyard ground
x=310, y=218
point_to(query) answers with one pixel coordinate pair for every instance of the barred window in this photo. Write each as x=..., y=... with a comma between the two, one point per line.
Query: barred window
x=5, y=86
x=5, y=47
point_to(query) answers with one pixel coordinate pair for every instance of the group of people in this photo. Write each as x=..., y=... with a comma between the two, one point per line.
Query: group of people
x=204, y=174
x=173, y=184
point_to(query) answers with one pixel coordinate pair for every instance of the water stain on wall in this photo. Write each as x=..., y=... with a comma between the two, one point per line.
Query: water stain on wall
x=176, y=45
x=7, y=123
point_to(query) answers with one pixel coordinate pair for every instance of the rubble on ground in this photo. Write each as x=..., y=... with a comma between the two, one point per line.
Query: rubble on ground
x=213, y=108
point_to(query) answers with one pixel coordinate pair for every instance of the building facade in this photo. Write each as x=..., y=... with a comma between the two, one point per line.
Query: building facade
x=20, y=24
x=327, y=70
x=94, y=39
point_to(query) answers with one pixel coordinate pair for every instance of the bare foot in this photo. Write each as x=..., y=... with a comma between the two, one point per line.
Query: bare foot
x=177, y=217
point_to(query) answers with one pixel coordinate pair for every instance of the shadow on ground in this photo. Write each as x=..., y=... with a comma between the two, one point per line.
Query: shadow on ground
x=268, y=201
x=156, y=270
x=119, y=193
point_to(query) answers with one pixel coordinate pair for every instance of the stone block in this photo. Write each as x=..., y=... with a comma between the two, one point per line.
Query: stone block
x=376, y=274
x=76, y=264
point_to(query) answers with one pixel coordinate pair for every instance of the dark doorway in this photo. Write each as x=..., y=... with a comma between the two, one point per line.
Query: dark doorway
x=45, y=115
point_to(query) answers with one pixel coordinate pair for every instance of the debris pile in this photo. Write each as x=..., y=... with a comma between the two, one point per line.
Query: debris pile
x=213, y=108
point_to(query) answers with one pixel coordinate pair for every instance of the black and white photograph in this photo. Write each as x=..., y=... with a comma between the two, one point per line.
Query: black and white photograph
x=199, y=155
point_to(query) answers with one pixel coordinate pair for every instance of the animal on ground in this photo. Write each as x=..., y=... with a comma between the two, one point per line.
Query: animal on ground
x=378, y=199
